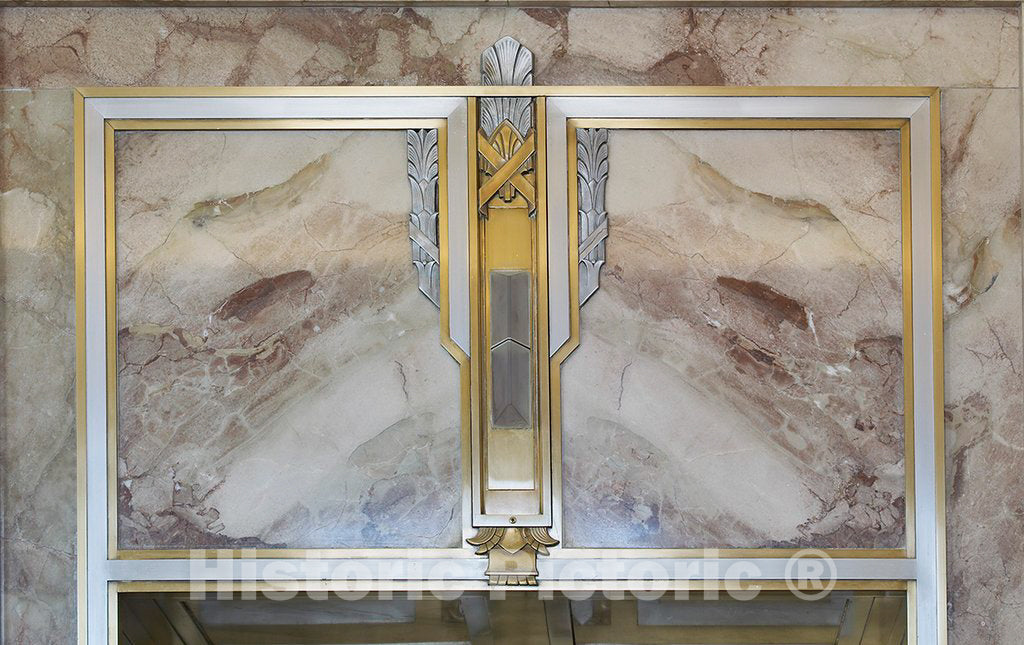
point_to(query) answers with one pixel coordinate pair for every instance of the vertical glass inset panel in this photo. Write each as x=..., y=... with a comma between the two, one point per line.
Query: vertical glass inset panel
x=279, y=374
x=740, y=375
x=511, y=378
x=510, y=381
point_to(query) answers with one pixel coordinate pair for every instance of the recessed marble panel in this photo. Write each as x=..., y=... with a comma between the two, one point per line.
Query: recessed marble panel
x=280, y=377
x=739, y=381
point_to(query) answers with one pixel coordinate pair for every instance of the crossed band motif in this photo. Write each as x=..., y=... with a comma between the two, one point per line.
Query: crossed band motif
x=506, y=160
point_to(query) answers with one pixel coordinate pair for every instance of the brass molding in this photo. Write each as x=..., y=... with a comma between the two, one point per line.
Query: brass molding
x=512, y=552
x=81, y=516
x=438, y=129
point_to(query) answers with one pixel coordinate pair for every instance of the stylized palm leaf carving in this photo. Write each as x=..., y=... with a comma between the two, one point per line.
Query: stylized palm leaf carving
x=423, y=171
x=592, y=178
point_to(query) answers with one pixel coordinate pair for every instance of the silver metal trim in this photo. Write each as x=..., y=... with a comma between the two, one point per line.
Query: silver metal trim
x=458, y=225
x=423, y=175
x=930, y=545
x=591, y=180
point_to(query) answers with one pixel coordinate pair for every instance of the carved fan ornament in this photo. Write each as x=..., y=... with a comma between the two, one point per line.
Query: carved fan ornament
x=506, y=141
x=506, y=62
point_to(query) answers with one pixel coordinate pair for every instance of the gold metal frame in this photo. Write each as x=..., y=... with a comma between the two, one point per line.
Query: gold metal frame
x=627, y=123
x=111, y=128
x=81, y=543
x=480, y=301
x=469, y=92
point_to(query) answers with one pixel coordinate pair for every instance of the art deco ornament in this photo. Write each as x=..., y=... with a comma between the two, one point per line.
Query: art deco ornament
x=592, y=178
x=506, y=139
x=423, y=216
x=512, y=552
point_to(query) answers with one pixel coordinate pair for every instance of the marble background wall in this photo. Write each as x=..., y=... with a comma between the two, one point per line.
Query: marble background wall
x=972, y=54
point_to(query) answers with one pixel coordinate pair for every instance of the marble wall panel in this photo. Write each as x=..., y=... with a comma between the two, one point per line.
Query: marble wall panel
x=739, y=380
x=280, y=377
x=37, y=367
x=929, y=46
x=984, y=381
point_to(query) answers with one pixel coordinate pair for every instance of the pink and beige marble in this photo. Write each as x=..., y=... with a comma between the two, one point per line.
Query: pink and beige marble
x=983, y=354
x=441, y=46
x=739, y=380
x=280, y=377
x=972, y=53
x=37, y=368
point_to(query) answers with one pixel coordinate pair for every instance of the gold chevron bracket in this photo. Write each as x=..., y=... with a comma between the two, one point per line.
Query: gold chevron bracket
x=512, y=552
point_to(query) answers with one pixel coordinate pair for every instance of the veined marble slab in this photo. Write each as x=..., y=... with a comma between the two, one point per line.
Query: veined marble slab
x=739, y=381
x=280, y=377
x=441, y=46
x=37, y=369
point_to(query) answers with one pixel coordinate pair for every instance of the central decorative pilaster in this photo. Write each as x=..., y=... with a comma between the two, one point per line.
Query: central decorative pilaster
x=511, y=434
